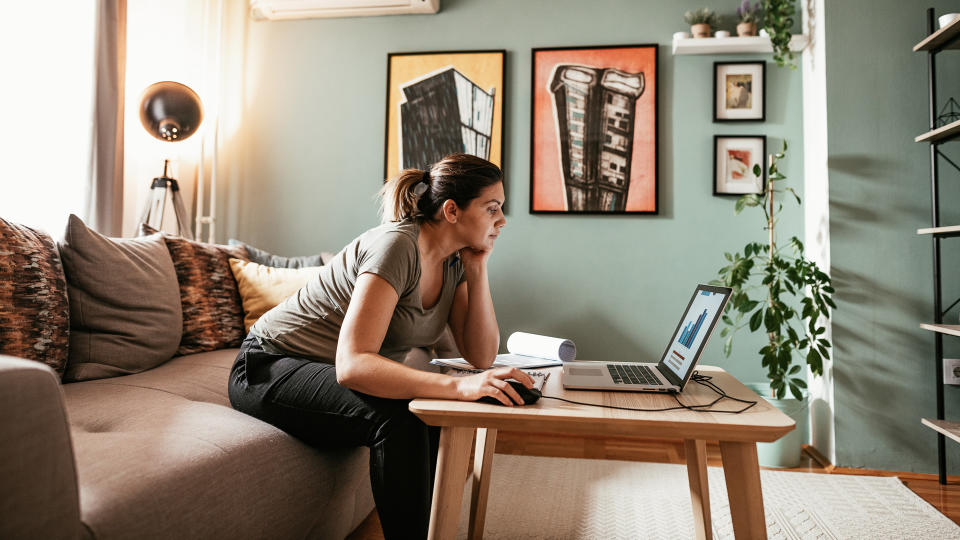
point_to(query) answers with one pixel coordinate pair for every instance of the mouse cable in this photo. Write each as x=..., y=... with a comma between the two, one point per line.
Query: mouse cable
x=703, y=380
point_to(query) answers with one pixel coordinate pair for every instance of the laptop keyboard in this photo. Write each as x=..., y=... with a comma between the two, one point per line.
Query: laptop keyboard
x=632, y=374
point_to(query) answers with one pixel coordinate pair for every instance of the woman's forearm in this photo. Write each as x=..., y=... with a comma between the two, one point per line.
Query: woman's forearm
x=481, y=335
x=379, y=376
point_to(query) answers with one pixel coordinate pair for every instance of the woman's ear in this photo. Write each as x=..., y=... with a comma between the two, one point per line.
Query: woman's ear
x=451, y=212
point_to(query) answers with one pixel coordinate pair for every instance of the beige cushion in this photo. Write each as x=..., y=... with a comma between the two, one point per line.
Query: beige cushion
x=263, y=287
x=124, y=303
x=161, y=454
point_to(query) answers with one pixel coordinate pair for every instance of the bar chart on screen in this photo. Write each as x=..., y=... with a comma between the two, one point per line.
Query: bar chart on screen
x=691, y=330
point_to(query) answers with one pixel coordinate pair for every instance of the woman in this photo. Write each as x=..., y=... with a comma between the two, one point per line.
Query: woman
x=325, y=365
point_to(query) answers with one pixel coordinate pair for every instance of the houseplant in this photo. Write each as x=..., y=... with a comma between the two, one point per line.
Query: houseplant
x=787, y=276
x=792, y=296
x=749, y=17
x=778, y=21
x=700, y=21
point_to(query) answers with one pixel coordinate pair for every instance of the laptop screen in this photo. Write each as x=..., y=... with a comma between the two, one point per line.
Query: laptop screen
x=695, y=327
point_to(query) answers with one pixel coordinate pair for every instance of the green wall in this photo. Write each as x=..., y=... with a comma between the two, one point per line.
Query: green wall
x=310, y=158
x=879, y=197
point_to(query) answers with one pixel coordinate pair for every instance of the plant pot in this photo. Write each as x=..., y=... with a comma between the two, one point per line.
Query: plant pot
x=747, y=29
x=700, y=30
x=785, y=452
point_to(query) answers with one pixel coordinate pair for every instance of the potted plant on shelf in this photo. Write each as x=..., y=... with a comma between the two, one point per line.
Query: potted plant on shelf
x=778, y=22
x=792, y=296
x=749, y=17
x=700, y=21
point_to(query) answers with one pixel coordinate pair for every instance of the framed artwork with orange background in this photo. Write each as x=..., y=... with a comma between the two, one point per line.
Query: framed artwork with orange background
x=594, y=130
x=441, y=102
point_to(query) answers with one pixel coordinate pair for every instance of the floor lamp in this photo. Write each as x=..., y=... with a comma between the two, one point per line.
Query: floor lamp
x=171, y=112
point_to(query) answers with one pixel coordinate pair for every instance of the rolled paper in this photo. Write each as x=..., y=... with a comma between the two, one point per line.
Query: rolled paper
x=551, y=348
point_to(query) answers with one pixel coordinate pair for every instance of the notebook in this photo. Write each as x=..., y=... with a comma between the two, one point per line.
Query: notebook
x=526, y=351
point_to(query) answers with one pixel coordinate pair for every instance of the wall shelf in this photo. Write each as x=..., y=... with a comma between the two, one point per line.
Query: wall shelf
x=944, y=38
x=950, y=329
x=941, y=134
x=942, y=232
x=733, y=45
x=945, y=427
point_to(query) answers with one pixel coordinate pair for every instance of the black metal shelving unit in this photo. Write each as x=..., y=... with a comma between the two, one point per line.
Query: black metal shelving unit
x=938, y=41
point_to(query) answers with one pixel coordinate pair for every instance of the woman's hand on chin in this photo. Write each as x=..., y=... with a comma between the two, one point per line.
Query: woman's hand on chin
x=474, y=260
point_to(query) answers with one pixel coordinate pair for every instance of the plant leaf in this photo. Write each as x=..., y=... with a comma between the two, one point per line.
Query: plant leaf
x=756, y=320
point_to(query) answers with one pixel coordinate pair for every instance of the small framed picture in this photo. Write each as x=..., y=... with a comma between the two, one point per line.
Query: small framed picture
x=739, y=91
x=734, y=157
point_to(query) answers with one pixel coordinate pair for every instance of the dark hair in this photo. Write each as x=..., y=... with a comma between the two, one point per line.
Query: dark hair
x=457, y=177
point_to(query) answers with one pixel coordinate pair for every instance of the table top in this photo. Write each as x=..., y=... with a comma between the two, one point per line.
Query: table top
x=762, y=422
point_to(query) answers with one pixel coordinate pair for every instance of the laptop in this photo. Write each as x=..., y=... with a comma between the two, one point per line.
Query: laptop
x=676, y=365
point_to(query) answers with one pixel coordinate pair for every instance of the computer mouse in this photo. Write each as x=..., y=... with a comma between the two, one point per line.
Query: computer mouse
x=529, y=395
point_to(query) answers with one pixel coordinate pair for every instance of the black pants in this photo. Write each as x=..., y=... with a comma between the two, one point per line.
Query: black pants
x=303, y=398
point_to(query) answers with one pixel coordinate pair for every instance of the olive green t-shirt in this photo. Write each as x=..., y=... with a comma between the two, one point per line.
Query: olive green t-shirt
x=307, y=324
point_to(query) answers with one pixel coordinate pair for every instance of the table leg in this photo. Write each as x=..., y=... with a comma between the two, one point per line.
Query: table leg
x=452, y=461
x=482, y=468
x=742, y=474
x=696, y=452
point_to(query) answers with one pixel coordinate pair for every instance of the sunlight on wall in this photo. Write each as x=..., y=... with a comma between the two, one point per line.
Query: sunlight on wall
x=48, y=95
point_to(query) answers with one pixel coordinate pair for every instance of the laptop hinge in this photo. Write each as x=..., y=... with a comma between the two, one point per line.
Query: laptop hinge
x=666, y=377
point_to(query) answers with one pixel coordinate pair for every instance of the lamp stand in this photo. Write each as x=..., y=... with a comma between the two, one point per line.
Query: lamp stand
x=156, y=204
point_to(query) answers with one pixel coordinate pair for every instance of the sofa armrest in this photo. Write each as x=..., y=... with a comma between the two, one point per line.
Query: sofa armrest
x=40, y=497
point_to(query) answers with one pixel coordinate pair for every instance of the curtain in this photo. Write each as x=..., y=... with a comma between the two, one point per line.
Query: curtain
x=104, y=201
x=48, y=68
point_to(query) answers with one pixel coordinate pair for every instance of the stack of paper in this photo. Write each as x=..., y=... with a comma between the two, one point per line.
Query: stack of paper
x=527, y=351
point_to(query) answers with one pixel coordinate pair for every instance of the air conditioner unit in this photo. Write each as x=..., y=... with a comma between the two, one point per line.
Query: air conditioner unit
x=276, y=10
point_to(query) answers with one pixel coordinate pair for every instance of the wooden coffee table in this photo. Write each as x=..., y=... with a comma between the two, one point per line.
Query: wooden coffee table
x=737, y=433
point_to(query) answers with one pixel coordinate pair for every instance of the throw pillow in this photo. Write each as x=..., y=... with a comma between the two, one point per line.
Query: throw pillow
x=124, y=303
x=265, y=258
x=263, y=287
x=212, y=311
x=34, y=313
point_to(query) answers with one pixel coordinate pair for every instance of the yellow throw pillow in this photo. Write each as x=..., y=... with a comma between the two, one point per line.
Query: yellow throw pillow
x=263, y=287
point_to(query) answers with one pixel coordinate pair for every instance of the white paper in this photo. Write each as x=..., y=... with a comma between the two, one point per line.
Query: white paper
x=527, y=351
x=551, y=348
x=503, y=360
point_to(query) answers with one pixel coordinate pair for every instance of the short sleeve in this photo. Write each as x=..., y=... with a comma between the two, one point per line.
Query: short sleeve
x=458, y=270
x=393, y=257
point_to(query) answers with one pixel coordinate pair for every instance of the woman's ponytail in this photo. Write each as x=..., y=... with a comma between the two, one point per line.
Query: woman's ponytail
x=417, y=194
x=400, y=195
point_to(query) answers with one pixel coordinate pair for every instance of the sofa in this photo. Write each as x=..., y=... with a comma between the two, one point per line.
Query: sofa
x=103, y=447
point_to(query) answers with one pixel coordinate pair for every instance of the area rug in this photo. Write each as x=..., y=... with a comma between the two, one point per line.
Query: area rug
x=541, y=497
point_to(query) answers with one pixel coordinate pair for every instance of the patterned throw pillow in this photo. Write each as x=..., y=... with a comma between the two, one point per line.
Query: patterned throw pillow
x=34, y=312
x=212, y=309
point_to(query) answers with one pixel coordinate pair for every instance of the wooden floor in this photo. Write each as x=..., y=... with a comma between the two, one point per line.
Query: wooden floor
x=946, y=498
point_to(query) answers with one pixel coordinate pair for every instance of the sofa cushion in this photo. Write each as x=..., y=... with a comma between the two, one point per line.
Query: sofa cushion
x=124, y=303
x=161, y=454
x=266, y=258
x=34, y=313
x=263, y=287
x=212, y=312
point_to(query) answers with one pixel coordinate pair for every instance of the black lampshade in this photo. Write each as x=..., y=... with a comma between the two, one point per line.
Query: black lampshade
x=170, y=111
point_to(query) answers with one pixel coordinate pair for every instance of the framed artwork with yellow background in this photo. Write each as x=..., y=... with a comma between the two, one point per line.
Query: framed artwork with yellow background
x=441, y=102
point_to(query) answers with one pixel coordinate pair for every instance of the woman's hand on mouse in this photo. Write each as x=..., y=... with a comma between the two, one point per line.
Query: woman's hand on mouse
x=492, y=383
